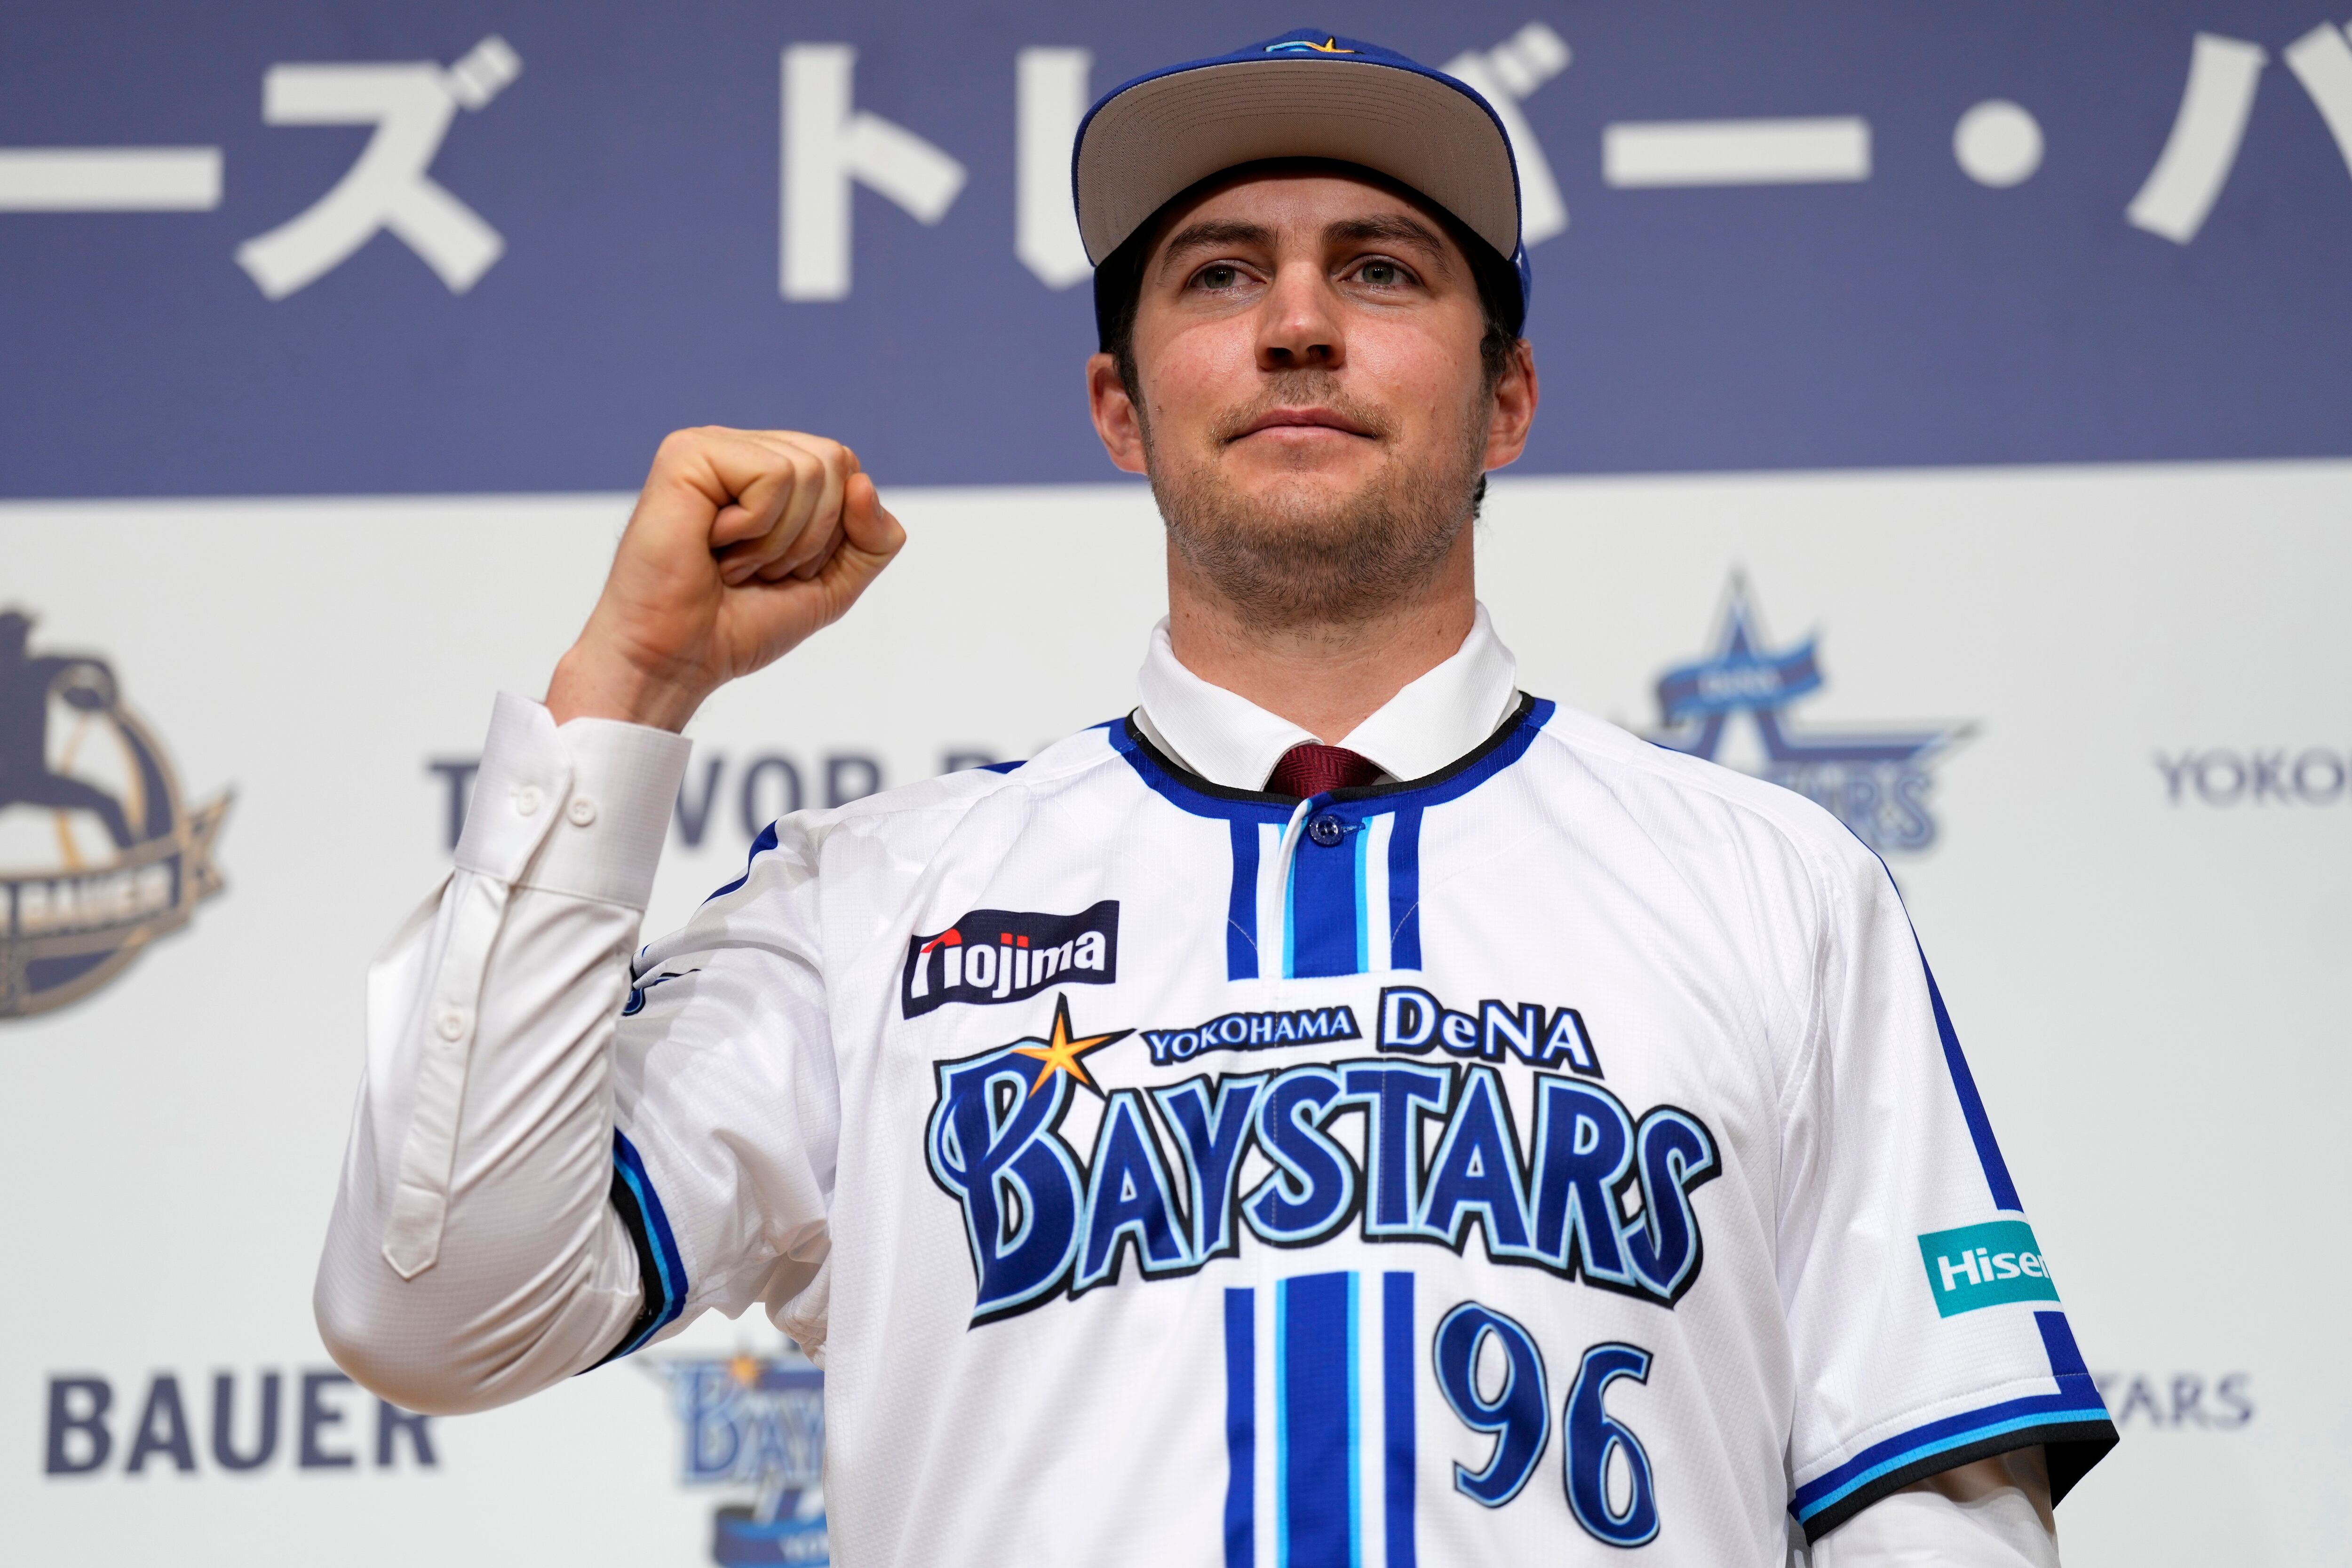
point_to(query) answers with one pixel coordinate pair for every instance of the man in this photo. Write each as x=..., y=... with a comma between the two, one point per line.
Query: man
x=1346, y=1111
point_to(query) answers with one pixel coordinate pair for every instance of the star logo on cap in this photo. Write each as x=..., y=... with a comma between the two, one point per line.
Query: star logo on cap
x=1330, y=46
x=1063, y=1052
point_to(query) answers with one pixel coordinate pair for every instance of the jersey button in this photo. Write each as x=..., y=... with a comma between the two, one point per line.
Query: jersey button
x=1327, y=830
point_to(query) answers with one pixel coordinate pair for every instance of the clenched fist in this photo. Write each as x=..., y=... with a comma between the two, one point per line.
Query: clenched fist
x=742, y=544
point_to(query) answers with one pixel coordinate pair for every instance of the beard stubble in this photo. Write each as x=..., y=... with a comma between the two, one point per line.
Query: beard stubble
x=1288, y=560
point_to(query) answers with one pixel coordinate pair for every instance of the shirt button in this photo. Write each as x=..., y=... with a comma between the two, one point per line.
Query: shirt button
x=1327, y=830
x=451, y=1023
x=582, y=811
x=528, y=800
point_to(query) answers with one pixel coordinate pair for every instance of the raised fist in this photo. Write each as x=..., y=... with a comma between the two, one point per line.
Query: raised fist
x=743, y=542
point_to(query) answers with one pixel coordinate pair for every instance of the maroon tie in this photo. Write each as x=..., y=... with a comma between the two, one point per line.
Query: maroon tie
x=1311, y=769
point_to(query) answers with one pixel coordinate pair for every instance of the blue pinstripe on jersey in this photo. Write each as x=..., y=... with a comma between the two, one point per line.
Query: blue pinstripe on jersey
x=1322, y=1518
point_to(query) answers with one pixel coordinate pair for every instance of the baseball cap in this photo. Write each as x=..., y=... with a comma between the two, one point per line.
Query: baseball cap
x=1306, y=94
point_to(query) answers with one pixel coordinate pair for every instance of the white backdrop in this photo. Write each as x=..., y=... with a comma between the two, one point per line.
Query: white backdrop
x=2138, y=902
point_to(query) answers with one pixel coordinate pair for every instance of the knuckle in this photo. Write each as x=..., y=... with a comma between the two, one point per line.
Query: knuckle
x=680, y=444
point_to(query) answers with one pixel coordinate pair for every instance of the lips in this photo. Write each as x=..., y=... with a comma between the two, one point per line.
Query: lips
x=1307, y=418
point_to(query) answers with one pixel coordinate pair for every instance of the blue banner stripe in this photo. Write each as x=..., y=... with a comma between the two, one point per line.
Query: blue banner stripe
x=1316, y=1340
x=1743, y=681
x=1398, y=1368
x=1241, y=1428
x=2066, y=1407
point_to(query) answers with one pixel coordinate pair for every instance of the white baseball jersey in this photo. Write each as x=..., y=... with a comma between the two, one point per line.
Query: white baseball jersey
x=1562, y=1154
x=1567, y=1148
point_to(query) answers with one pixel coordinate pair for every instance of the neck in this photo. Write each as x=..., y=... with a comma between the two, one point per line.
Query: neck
x=1326, y=677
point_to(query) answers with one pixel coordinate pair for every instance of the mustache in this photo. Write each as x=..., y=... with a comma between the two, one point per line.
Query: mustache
x=1301, y=389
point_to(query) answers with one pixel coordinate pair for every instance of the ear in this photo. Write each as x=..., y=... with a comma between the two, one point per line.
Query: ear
x=1515, y=395
x=1115, y=419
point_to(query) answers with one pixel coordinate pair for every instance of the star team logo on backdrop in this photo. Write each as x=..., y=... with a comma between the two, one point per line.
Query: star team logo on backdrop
x=107, y=855
x=755, y=1425
x=1876, y=781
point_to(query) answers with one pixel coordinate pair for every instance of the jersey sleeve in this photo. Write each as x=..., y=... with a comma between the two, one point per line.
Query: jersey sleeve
x=1926, y=1325
x=727, y=1106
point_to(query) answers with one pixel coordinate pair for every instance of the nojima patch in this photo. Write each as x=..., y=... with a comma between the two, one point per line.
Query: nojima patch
x=1984, y=1266
x=1009, y=956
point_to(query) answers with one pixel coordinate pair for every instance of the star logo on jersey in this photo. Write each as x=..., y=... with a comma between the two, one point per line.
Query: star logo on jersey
x=1732, y=706
x=1063, y=1053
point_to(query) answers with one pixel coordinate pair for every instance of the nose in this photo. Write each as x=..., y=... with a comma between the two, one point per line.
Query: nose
x=1298, y=324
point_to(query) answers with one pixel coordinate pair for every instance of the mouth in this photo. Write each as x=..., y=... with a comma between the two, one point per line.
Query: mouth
x=1303, y=422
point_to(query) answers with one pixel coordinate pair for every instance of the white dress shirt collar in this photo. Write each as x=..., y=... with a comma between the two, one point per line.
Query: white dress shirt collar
x=1230, y=740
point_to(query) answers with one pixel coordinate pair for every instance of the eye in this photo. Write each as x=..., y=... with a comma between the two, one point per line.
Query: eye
x=1218, y=275
x=1384, y=273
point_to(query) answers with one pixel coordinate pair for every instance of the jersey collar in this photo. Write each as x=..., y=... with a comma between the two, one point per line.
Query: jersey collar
x=1228, y=740
x=1205, y=798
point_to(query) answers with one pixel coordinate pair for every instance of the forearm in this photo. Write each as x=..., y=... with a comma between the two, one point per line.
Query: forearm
x=473, y=1257
x=1992, y=1513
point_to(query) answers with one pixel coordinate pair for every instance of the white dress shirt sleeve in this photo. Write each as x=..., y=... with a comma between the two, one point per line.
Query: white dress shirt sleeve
x=473, y=1256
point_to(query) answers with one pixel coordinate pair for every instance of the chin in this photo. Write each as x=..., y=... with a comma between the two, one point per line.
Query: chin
x=1332, y=471
x=1306, y=503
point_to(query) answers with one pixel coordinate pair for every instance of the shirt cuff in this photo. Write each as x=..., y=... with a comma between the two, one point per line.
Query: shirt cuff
x=582, y=808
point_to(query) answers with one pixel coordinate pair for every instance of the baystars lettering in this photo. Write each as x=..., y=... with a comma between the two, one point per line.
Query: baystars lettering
x=1042, y=1223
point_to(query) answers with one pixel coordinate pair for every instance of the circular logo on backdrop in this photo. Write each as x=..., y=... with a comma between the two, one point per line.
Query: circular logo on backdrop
x=98, y=854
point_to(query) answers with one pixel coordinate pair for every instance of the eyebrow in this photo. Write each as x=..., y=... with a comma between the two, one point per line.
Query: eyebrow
x=1396, y=228
x=1213, y=233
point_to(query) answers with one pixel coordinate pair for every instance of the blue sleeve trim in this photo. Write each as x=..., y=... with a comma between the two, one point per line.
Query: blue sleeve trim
x=1002, y=767
x=2058, y=1343
x=660, y=1270
x=2074, y=1414
x=760, y=846
x=1964, y=1083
